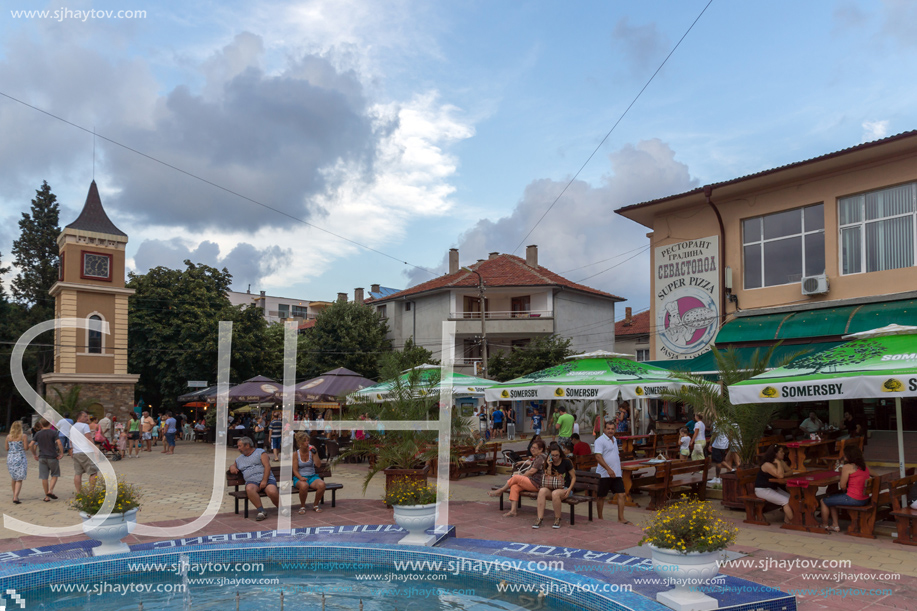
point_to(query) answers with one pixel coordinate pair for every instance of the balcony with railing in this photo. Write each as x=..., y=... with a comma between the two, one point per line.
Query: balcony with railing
x=504, y=321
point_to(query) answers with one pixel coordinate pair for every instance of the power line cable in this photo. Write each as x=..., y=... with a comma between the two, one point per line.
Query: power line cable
x=213, y=184
x=626, y=110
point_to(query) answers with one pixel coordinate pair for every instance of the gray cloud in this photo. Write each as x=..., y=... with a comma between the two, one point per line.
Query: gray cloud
x=582, y=228
x=643, y=45
x=246, y=263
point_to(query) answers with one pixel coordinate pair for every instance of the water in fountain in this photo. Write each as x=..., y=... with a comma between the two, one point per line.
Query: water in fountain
x=185, y=564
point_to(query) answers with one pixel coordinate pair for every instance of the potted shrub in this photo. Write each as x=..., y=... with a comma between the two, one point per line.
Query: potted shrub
x=122, y=521
x=414, y=506
x=688, y=541
x=403, y=455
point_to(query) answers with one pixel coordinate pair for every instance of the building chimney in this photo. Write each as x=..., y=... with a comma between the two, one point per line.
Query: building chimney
x=531, y=255
x=358, y=295
x=628, y=312
x=453, y=260
x=493, y=255
x=480, y=260
x=342, y=296
x=374, y=288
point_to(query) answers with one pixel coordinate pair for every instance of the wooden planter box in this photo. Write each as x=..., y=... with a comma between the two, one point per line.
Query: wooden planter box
x=731, y=491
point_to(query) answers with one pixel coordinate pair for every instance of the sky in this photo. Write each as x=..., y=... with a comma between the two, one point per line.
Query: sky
x=316, y=146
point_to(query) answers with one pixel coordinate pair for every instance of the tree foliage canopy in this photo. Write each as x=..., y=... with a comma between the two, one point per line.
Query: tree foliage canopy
x=541, y=353
x=346, y=334
x=36, y=254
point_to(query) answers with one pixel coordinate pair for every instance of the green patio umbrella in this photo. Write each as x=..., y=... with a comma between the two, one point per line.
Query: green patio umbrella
x=876, y=364
x=428, y=384
x=594, y=376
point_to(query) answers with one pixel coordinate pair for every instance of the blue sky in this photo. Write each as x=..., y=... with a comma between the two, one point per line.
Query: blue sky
x=413, y=127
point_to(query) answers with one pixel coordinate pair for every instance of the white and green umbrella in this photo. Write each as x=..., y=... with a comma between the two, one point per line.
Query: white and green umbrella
x=595, y=376
x=428, y=383
x=876, y=364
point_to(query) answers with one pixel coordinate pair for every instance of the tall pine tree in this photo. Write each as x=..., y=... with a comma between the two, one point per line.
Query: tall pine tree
x=36, y=256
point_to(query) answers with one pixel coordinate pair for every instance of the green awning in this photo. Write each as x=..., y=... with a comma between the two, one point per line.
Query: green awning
x=827, y=323
x=706, y=363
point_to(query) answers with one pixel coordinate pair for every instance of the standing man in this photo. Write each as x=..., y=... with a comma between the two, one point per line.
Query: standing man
x=255, y=468
x=63, y=431
x=82, y=462
x=146, y=425
x=498, y=422
x=564, y=426
x=609, y=469
x=171, y=429
x=48, y=450
x=105, y=426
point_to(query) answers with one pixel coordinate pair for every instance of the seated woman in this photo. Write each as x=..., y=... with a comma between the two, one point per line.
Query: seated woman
x=772, y=466
x=557, y=465
x=305, y=477
x=535, y=437
x=478, y=447
x=854, y=475
x=524, y=481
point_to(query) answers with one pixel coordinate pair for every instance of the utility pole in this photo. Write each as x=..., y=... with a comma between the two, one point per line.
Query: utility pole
x=483, y=316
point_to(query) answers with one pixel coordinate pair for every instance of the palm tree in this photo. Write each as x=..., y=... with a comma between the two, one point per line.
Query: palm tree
x=744, y=425
x=70, y=402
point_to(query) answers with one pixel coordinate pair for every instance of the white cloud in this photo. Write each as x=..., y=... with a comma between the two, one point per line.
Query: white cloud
x=874, y=130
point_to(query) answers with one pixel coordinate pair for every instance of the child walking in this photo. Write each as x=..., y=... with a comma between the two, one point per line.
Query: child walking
x=684, y=452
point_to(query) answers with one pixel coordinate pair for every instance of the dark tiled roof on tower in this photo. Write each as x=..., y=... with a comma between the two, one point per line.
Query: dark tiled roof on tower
x=93, y=217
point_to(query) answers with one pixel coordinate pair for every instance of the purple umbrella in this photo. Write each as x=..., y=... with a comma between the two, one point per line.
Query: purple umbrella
x=328, y=387
x=254, y=390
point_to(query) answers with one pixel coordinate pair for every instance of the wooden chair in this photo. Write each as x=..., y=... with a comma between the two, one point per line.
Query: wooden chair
x=755, y=507
x=863, y=517
x=840, y=444
x=905, y=517
x=676, y=476
x=584, y=463
x=766, y=442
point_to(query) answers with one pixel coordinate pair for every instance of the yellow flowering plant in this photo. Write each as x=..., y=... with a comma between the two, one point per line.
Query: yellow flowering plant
x=405, y=491
x=689, y=525
x=90, y=497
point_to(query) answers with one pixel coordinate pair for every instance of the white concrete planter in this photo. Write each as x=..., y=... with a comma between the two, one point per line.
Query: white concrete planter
x=110, y=531
x=416, y=519
x=687, y=572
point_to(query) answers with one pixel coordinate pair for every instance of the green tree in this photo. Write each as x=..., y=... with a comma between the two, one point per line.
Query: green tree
x=346, y=334
x=410, y=356
x=36, y=256
x=11, y=321
x=744, y=425
x=174, y=321
x=71, y=403
x=540, y=353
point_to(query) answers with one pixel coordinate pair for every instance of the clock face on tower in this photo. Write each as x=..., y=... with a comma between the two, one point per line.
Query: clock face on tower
x=96, y=266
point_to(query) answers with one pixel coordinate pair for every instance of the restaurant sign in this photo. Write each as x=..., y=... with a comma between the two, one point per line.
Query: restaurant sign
x=686, y=291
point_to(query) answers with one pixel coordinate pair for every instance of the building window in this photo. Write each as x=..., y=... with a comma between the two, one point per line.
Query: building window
x=283, y=310
x=877, y=229
x=94, y=336
x=783, y=247
x=300, y=311
x=96, y=266
x=407, y=306
x=643, y=355
x=380, y=310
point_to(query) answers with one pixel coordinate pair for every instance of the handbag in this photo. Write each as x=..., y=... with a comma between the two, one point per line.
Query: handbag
x=552, y=482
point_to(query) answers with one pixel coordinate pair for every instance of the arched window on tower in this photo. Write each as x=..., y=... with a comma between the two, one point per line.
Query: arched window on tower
x=94, y=337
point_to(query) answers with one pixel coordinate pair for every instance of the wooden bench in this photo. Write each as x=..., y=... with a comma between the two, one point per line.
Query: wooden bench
x=905, y=517
x=585, y=490
x=677, y=474
x=755, y=507
x=236, y=480
x=667, y=445
x=766, y=442
x=830, y=459
x=485, y=466
x=863, y=517
x=584, y=463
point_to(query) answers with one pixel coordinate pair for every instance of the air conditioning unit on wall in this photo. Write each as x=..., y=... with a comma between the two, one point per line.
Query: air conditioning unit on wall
x=814, y=285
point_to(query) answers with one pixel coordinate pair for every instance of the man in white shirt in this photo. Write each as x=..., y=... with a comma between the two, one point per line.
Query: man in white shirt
x=722, y=457
x=812, y=424
x=609, y=469
x=82, y=462
x=105, y=426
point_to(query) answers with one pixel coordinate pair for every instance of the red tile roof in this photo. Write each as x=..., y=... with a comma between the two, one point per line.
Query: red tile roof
x=639, y=325
x=306, y=324
x=502, y=270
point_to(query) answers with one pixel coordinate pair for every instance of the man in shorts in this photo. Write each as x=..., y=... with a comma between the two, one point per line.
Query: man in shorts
x=564, y=426
x=63, y=431
x=171, y=427
x=146, y=426
x=47, y=450
x=609, y=469
x=255, y=468
x=82, y=462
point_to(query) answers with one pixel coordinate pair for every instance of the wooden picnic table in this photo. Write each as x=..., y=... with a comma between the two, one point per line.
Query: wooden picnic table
x=798, y=451
x=627, y=471
x=626, y=443
x=803, y=488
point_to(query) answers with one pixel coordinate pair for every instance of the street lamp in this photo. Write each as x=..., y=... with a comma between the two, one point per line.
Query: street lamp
x=483, y=327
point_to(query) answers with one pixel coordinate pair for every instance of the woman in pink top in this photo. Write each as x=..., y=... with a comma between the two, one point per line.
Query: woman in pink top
x=854, y=475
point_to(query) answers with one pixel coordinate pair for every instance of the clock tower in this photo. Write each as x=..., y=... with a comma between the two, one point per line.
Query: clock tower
x=91, y=286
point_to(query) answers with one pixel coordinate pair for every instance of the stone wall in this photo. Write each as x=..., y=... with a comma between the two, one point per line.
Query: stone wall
x=115, y=398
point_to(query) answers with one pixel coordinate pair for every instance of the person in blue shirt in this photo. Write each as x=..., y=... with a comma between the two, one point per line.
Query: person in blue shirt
x=536, y=421
x=498, y=422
